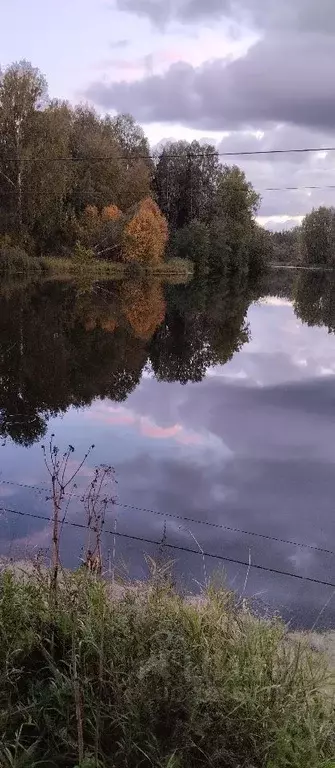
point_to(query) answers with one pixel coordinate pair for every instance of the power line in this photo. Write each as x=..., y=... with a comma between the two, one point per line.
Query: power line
x=294, y=189
x=300, y=188
x=178, y=548
x=190, y=155
x=185, y=519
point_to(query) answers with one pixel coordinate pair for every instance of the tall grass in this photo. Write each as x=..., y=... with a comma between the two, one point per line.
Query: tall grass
x=14, y=260
x=150, y=679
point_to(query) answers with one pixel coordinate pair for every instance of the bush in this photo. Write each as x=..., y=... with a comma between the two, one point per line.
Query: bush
x=82, y=255
x=15, y=259
x=152, y=680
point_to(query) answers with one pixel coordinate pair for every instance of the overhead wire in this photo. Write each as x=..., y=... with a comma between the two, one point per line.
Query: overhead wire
x=179, y=548
x=301, y=188
x=174, y=155
x=186, y=519
x=190, y=155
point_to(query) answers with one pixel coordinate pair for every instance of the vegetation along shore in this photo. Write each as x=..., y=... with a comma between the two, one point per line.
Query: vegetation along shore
x=89, y=190
x=146, y=678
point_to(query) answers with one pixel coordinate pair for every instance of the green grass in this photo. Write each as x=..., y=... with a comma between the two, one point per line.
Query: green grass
x=153, y=680
x=99, y=268
x=14, y=260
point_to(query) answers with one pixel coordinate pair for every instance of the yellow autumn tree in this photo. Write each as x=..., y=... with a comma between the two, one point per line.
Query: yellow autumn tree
x=144, y=307
x=146, y=234
x=110, y=213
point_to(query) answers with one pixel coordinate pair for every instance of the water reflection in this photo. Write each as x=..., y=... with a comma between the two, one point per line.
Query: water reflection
x=248, y=443
x=62, y=345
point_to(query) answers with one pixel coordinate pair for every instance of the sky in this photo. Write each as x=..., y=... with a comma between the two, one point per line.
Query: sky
x=243, y=74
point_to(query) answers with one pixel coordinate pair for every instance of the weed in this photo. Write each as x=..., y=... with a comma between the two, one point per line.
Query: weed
x=151, y=679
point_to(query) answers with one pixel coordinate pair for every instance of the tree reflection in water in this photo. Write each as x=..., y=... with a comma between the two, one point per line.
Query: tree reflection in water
x=64, y=344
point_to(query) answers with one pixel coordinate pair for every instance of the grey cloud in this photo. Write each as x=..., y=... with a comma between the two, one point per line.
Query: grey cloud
x=284, y=88
x=277, y=81
x=285, y=170
x=161, y=12
x=264, y=14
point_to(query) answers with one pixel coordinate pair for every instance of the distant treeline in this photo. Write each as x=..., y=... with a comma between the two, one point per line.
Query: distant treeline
x=311, y=244
x=72, y=181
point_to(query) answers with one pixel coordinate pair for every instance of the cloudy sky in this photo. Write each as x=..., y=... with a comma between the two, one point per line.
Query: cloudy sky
x=246, y=74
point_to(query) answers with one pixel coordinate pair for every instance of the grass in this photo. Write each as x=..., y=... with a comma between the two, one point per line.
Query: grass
x=14, y=260
x=151, y=679
x=61, y=267
x=99, y=268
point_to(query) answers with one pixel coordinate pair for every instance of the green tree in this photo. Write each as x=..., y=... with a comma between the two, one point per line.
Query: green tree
x=96, y=168
x=136, y=166
x=23, y=93
x=286, y=246
x=51, y=176
x=192, y=242
x=318, y=236
x=236, y=203
x=185, y=182
x=260, y=249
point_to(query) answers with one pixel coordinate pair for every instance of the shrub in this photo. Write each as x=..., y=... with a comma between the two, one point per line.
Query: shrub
x=15, y=259
x=82, y=255
x=153, y=680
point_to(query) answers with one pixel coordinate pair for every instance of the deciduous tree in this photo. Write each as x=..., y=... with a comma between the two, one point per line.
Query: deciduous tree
x=146, y=234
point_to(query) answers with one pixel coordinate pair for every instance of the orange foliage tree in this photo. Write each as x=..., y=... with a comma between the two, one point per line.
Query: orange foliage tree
x=91, y=212
x=110, y=212
x=146, y=234
x=144, y=307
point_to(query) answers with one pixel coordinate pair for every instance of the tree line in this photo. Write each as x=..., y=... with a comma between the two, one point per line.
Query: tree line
x=74, y=182
x=311, y=244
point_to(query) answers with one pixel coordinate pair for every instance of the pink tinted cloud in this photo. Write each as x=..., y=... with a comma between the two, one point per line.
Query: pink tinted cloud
x=115, y=416
x=159, y=433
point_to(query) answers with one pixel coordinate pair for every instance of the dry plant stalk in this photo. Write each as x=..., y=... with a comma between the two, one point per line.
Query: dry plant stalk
x=97, y=499
x=62, y=479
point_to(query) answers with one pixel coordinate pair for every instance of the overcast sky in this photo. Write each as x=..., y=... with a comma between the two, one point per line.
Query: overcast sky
x=245, y=74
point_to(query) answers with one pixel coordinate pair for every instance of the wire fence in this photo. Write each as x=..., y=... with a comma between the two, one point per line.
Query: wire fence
x=176, y=547
x=184, y=518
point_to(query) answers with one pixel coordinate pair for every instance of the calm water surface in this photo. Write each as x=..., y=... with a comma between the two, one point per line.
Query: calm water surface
x=212, y=402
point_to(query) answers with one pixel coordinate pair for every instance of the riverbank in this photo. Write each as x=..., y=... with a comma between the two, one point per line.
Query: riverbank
x=152, y=679
x=14, y=261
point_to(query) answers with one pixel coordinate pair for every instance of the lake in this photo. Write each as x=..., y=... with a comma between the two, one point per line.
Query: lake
x=214, y=403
